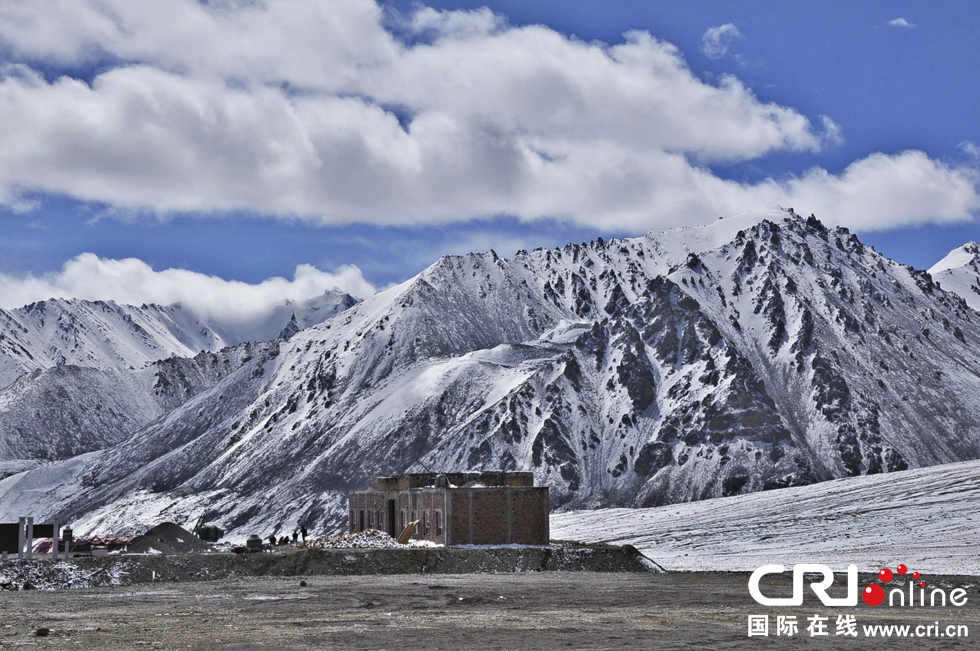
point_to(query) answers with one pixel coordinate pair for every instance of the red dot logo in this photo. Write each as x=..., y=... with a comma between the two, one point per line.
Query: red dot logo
x=885, y=575
x=902, y=569
x=873, y=595
x=915, y=575
x=922, y=584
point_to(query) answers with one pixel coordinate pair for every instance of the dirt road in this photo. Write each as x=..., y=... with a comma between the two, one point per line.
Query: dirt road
x=526, y=611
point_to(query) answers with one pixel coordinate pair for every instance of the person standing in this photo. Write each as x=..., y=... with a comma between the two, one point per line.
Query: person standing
x=302, y=530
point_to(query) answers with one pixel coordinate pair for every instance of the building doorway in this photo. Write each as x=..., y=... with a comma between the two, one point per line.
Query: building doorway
x=391, y=519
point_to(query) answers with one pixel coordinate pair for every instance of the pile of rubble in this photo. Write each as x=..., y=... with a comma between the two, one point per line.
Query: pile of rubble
x=368, y=539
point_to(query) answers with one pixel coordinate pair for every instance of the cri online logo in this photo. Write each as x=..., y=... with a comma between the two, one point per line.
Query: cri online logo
x=873, y=594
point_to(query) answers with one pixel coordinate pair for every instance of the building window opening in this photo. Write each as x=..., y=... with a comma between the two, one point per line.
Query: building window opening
x=438, y=523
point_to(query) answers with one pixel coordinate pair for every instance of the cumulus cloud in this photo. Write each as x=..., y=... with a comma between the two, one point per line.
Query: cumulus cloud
x=874, y=193
x=716, y=40
x=901, y=22
x=132, y=281
x=303, y=42
x=303, y=110
x=888, y=191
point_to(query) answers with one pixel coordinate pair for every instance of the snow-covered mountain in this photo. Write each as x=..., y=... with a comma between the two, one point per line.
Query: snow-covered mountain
x=67, y=410
x=959, y=272
x=78, y=376
x=760, y=352
x=107, y=336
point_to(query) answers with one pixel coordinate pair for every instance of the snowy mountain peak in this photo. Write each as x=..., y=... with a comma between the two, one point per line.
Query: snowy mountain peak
x=959, y=272
x=716, y=234
x=961, y=256
x=290, y=328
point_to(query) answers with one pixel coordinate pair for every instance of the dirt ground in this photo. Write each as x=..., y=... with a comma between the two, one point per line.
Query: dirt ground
x=542, y=610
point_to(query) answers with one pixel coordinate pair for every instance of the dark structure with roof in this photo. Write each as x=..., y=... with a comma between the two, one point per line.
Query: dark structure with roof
x=456, y=508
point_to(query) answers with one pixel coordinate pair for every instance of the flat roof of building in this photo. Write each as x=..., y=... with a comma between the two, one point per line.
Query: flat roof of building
x=488, y=478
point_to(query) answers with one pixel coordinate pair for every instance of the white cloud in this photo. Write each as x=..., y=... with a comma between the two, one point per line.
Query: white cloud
x=716, y=40
x=874, y=193
x=303, y=42
x=970, y=149
x=887, y=191
x=456, y=24
x=132, y=281
x=833, y=135
x=901, y=22
x=292, y=110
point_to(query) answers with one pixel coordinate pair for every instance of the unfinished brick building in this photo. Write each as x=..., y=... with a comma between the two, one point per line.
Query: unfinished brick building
x=456, y=508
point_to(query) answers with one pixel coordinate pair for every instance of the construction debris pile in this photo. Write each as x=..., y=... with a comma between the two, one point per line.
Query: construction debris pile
x=167, y=538
x=367, y=539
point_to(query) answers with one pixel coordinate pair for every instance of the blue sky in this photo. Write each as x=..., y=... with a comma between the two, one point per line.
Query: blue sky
x=888, y=88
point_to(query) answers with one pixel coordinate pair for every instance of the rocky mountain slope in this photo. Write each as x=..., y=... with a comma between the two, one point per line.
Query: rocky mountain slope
x=67, y=410
x=760, y=352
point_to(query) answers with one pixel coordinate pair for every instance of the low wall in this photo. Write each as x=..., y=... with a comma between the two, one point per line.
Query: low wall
x=126, y=570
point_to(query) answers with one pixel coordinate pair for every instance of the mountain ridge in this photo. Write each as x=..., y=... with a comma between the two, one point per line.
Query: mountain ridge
x=107, y=335
x=632, y=372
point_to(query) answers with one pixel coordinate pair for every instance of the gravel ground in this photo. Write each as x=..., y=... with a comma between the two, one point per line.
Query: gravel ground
x=546, y=610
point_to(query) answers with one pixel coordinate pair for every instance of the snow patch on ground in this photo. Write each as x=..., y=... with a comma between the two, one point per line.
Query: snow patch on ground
x=926, y=518
x=44, y=575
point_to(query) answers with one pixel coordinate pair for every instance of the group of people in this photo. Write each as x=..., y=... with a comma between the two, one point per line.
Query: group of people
x=284, y=540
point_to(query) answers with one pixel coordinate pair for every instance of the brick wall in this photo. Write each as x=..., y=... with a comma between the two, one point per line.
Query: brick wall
x=458, y=516
x=529, y=511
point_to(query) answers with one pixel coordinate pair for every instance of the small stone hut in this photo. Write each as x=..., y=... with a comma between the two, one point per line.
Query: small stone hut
x=456, y=508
